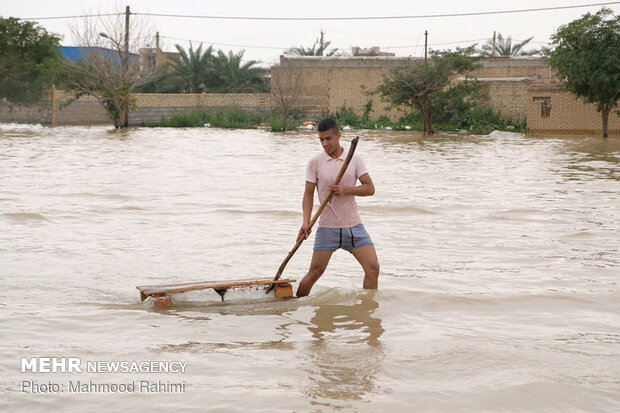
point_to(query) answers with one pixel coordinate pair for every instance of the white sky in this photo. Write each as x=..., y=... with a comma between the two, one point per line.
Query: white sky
x=388, y=34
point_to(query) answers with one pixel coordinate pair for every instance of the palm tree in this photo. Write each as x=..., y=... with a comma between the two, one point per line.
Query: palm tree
x=505, y=47
x=194, y=67
x=318, y=48
x=234, y=76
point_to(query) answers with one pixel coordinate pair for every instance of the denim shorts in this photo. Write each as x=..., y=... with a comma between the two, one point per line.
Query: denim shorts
x=330, y=239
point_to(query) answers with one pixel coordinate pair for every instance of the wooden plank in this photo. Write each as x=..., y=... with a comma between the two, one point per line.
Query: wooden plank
x=196, y=282
x=151, y=290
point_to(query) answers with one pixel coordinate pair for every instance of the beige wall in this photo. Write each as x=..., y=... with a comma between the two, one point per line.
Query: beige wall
x=151, y=107
x=513, y=84
x=509, y=97
x=202, y=99
x=568, y=113
x=348, y=81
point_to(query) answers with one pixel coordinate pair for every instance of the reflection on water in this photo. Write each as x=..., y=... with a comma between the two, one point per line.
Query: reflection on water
x=346, y=353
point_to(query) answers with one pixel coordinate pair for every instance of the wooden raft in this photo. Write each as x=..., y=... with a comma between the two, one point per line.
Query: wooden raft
x=161, y=298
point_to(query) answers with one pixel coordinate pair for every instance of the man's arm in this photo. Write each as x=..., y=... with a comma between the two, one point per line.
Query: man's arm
x=367, y=188
x=306, y=207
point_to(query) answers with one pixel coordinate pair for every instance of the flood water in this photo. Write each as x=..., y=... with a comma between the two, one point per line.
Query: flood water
x=498, y=288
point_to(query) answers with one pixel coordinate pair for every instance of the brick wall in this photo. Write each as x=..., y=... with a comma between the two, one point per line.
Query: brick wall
x=151, y=107
x=85, y=111
x=34, y=113
x=568, y=114
x=509, y=97
x=313, y=84
x=348, y=81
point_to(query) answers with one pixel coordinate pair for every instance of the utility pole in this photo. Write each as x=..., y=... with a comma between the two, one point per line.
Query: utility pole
x=53, y=102
x=425, y=45
x=493, y=51
x=126, y=66
x=156, y=49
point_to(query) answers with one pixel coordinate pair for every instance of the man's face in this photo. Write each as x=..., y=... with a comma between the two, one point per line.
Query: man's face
x=330, y=141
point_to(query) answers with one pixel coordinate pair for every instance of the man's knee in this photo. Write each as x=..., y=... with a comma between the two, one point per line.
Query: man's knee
x=373, y=269
x=316, y=272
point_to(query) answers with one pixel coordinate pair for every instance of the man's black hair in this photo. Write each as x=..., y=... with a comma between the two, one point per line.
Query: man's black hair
x=327, y=124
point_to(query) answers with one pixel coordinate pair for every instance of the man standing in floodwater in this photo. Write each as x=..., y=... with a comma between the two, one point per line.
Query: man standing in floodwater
x=340, y=225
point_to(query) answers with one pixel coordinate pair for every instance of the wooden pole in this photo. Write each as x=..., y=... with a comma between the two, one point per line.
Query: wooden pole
x=125, y=64
x=493, y=50
x=53, y=104
x=425, y=45
x=156, y=49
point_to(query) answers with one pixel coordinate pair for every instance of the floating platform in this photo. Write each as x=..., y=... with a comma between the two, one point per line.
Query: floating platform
x=161, y=295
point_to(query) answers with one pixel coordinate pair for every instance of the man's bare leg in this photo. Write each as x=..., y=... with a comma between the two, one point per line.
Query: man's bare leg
x=319, y=262
x=367, y=257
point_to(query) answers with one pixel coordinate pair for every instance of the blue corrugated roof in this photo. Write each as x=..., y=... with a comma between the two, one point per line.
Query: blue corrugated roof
x=76, y=53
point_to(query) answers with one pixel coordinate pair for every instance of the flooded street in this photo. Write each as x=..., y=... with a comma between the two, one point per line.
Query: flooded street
x=498, y=291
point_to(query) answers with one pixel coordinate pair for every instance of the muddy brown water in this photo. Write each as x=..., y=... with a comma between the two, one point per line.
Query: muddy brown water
x=498, y=292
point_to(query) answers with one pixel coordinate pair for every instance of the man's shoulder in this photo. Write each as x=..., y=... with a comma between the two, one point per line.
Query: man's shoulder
x=318, y=157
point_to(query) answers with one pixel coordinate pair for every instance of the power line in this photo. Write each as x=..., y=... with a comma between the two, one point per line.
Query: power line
x=81, y=16
x=423, y=16
x=434, y=44
x=288, y=47
x=226, y=44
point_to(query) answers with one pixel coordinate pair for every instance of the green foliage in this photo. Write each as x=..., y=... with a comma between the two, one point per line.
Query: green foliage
x=194, y=68
x=347, y=117
x=196, y=71
x=586, y=56
x=505, y=47
x=28, y=60
x=485, y=120
x=230, y=117
x=411, y=117
x=455, y=102
x=319, y=48
x=165, y=81
x=110, y=100
x=367, y=111
x=423, y=86
x=234, y=76
x=276, y=122
x=474, y=117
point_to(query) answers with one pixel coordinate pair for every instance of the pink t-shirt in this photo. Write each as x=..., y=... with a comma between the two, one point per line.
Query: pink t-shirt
x=341, y=210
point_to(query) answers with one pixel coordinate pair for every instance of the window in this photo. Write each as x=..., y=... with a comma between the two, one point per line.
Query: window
x=545, y=105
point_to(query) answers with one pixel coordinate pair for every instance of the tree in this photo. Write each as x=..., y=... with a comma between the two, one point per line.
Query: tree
x=586, y=56
x=319, y=48
x=165, y=81
x=423, y=85
x=286, y=88
x=505, y=47
x=28, y=57
x=108, y=72
x=195, y=69
x=234, y=76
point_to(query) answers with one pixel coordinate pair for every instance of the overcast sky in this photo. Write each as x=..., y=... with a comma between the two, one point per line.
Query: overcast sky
x=404, y=37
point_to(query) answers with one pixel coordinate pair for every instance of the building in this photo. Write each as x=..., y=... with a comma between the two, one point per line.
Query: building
x=77, y=53
x=155, y=58
x=371, y=51
x=519, y=87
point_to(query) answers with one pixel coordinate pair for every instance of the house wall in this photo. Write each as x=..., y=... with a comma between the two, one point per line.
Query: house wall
x=568, y=113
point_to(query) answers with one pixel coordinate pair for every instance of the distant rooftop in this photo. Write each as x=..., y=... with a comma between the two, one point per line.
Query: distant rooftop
x=76, y=53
